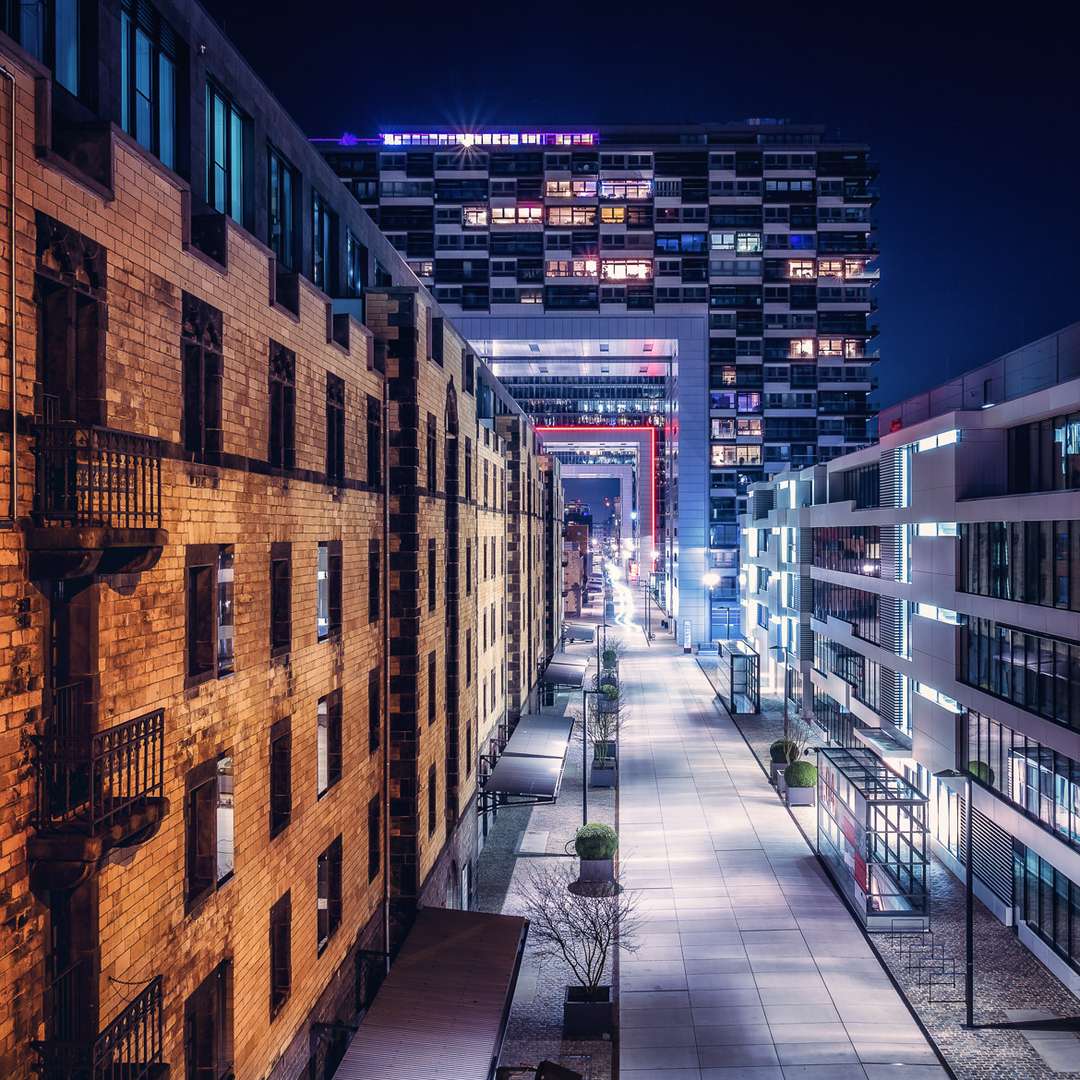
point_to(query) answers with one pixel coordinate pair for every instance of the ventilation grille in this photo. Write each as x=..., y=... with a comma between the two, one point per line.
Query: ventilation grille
x=991, y=850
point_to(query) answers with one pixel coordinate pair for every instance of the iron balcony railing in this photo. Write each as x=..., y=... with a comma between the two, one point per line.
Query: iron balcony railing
x=129, y=1048
x=96, y=476
x=91, y=783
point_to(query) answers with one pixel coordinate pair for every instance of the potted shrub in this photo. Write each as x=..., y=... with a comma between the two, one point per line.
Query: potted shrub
x=595, y=845
x=801, y=780
x=580, y=929
x=607, y=716
x=782, y=753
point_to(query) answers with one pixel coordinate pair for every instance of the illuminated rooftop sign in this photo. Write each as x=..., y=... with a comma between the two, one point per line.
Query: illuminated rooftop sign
x=490, y=138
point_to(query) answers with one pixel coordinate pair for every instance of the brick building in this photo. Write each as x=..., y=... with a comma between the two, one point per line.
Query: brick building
x=247, y=448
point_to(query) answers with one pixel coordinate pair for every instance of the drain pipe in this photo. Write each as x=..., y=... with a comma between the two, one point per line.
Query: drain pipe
x=12, y=371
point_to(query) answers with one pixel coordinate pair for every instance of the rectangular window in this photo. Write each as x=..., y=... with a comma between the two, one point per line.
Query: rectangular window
x=374, y=442
x=328, y=743
x=431, y=575
x=210, y=616
x=432, y=454
x=432, y=684
x=468, y=466
x=227, y=152
x=200, y=345
x=328, y=903
x=374, y=573
x=281, y=223
x=323, y=243
x=282, y=392
x=208, y=825
x=374, y=837
x=280, y=598
x=328, y=590
x=432, y=799
x=280, y=776
x=355, y=265
x=148, y=64
x=468, y=568
x=335, y=430
x=374, y=694
x=438, y=339
x=280, y=953
x=468, y=657
x=208, y=1050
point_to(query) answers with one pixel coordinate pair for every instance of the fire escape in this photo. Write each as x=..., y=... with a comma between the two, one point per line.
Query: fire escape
x=96, y=512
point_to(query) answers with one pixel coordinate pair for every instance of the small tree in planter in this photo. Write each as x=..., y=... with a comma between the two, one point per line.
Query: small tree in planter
x=782, y=753
x=801, y=780
x=581, y=929
x=595, y=845
x=608, y=714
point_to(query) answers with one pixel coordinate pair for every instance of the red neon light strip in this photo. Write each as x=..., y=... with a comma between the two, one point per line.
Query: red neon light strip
x=651, y=429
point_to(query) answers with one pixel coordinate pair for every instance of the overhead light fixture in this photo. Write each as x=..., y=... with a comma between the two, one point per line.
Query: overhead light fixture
x=647, y=347
x=533, y=347
x=605, y=347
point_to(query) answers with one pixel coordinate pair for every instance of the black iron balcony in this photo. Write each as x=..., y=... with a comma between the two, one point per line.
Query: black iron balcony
x=95, y=791
x=97, y=501
x=129, y=1048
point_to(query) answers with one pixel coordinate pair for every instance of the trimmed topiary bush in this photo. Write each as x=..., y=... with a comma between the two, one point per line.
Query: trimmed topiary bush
x=783, y=750
x=594, y=841
x=609, y=657
x=801, y=774
x=982, y=772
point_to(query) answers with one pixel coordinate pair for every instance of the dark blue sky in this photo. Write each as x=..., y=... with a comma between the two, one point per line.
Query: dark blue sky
x=971, y=110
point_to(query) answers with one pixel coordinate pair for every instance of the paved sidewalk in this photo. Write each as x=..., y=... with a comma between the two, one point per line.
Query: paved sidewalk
x=751, y=966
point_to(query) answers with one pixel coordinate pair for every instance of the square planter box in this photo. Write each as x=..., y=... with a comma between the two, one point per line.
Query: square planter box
x=602, y=774
x=801, y=796
x=584, y=1018
x=596, y=870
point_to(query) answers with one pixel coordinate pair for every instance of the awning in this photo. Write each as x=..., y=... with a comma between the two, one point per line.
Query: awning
x=443, y=1009
x=531, y=766
x=565, y=671
x=580, y=632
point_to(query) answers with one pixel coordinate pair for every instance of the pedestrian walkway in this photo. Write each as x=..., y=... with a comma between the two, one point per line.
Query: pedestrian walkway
x=750, y=965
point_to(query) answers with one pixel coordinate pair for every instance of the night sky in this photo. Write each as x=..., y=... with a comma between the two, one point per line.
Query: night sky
x=972, y=115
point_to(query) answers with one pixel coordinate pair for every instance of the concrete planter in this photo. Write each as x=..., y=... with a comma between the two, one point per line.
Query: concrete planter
x=598, y=870
x=801, y=796
x=587, y=1016
x=603, y=773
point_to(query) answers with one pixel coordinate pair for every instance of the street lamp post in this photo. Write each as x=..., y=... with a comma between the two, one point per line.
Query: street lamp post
x=710, y=580
x=951, y=776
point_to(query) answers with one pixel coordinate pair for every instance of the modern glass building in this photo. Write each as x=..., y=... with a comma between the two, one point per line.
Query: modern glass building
x=713, y=282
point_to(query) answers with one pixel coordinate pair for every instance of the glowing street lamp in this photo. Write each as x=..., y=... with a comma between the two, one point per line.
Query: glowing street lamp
x=710, y=579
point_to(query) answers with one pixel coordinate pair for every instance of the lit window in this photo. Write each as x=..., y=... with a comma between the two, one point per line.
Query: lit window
x=830, y=268
x=801, y=348
x=625, y=189
x=749, y=426
x=722, y=241
x=531, y=296
x=748, y=243
x=571, y=215
x=627, y=269
x=612, y=215
x=475, y=215
x=583, y=189
x=585, y=268
x=503, y=215
x=936, y=528
x=936, y=696
x=558, y=268
x=854, y=349
x=557, y=189
x=932, y=442
x=854, y=268
x=801, y=269
x=530, y=215
x=938, y=614
x=830, y=346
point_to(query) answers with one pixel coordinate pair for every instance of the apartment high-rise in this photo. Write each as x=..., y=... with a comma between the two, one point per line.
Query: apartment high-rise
x=712, y=282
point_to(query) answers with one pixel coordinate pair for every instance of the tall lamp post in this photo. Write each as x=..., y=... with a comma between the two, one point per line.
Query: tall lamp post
x=710, y=579
x=955, y=780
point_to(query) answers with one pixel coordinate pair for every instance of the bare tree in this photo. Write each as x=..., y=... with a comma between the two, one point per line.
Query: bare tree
x=582, y=928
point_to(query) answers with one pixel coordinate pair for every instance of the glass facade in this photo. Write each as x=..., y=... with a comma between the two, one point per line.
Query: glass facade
x=852, y=549
x=1045, y=455
x=1035, y=672
x=855, y=606
x=859, y=485
x=1048, y=902
x=1034, y=778
x=1032, y=562
x=862, y=673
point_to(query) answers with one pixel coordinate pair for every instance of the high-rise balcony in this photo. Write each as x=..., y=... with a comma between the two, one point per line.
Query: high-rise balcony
x=97, y=501
x=95, y=790
x=129, y=1048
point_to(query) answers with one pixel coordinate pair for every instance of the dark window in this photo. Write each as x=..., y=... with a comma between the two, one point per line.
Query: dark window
x=854, y=549
x=468, y=658
x=854, y=606
x=328, y=584
x=470, y=373
x=228, y=153
x=328, y=743
x=281, y=224
x=280, y=775
x=200, y=343
x=282, y=406
x=436, y=328
x=335, y=430
x=323, y=243
x=432, y=683
x=208, y=823
x=280, y=953
x=432, y=799
x=374, y=709
x=280, y=598
x=468, y=568
x=208, y=1027
x=1048, y=902
x=468, y=469
x=374, y=442
x=432, y=454
x=431, y=574
x=210, y=614
x=374, y=573
x=148, y=67
x=355, y=265
x=328, y=904
x=374, y=837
